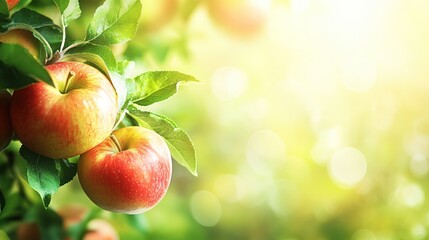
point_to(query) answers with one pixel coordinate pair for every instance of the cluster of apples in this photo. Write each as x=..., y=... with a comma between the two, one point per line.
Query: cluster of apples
x=127, y=170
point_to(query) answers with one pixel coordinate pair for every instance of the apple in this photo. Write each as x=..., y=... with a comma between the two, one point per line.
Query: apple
x=22, y=37
x=28, y=230
x=68, y=119
x=72, y=214
x=241, y=17
x=99, y=229
x=6, y=131
x=11, y=3
x=155, y=14
x=128, y=173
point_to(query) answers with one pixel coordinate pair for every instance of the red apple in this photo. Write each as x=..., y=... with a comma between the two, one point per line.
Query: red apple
x=6, y=131
x=11, y=3
x=241, y=17
x=68, y=119
x=129, y=172
x=22, y=37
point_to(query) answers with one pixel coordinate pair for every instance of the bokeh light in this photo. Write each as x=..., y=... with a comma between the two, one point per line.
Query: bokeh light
x=347, y=166
x=265, y=152
x=228, y=83
x=205, y=208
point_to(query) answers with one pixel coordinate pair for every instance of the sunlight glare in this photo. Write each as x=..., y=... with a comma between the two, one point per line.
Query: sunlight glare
x=347, y=167
x=229, y=83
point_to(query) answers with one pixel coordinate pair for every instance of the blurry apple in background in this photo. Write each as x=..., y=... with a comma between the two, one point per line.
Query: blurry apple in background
x=28, y=230
x=129, y=172
x=69, y=119
x=240, y=17
x=22, y=37
x=6, y=131
x=155, y=14
x=11, y=3
x=72, y=214
x=99, y=229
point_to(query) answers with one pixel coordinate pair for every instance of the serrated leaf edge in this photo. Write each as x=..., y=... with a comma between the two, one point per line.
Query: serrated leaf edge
x=193, y=169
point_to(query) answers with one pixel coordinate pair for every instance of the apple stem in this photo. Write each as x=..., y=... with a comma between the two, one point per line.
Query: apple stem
x=63, y=41
x=116, y=141
x=69, y=78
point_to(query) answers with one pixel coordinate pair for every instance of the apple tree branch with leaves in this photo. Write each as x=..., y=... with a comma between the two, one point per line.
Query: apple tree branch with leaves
x=75, y=110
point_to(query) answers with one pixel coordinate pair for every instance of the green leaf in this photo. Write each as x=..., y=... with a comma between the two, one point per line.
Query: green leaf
x=4, y=10
x=67, y=170
x=12, y=78
x=70, y=10
x=120, y=85
x=16, y=206
x=125, y=80
x=22, y=4
x=105, y=53
x=96, y=60
x=51, y=38
x=114, y=22
x=2, y=201
x=49, y=222
x=31, y=18
x=42, y=174
x=17, y=61
x=180, y=144
x=125, y=68
x=138, y=222
x=157, y=86
x=43, y=29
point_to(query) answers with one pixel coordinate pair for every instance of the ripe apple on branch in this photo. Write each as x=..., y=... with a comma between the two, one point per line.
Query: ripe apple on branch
x=68, y=119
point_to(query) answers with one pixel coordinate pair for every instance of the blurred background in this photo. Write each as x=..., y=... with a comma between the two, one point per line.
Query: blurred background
x=311, y=121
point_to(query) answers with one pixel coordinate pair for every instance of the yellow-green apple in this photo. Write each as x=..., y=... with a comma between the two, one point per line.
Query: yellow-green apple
x=6, y=131
x=241, y=17
x=155, y=14
x=22, y=37
x=11, y=3
x=129, y=172
x=68, y=119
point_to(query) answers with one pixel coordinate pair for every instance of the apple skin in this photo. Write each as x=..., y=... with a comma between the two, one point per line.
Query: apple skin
x=6, y=131
x=62, y=125
x=131, y=179
x=22, y=37
x=11, y=3
x=240, y=17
